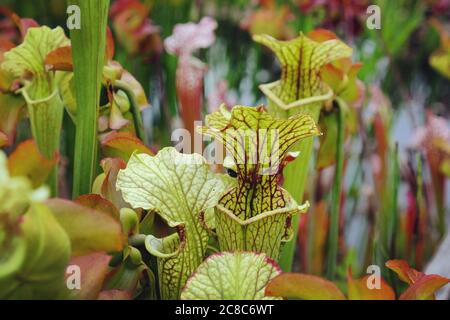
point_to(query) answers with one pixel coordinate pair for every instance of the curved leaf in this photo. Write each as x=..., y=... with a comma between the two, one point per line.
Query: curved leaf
x=26, y=160
x=404, y=271
x=359, y=290
x=90, y=230
x=122, y=145
x=47, y=254
x=303, y=286
x=231, y=276
x=16, y=192
x=424, y=288
x=179, y=187
x=93, y=271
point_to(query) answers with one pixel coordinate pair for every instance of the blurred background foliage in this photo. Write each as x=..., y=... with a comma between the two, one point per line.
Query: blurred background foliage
x=390, y=206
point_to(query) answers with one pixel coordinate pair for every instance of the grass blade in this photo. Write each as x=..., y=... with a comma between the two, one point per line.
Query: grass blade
x=88, y=45
x=333, y=233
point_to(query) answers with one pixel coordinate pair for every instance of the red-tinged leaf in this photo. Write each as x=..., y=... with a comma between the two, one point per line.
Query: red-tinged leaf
x=90, y=230
x=111, y=167
x=303, y=286
x=110, y=46
x=321, y=35
x=122, y=145
x=5, y=46
x=358, y=289
x=424, y=288
x=27, y=161
x=96, y=202
x=93, y=271
x=25, y=24
x=404, y=271
x=115, y=295
x=272, y=20
x=60, y=59
x=333, y=76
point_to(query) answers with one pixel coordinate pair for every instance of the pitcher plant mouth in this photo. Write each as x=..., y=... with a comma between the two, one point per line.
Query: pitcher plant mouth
x=292, y=209
x=265, y=232
x=267, y=89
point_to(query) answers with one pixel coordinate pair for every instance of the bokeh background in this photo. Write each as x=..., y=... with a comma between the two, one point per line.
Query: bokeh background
x=397, y=147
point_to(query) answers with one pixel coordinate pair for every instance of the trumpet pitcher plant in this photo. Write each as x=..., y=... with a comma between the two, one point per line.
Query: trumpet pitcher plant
x=256, y=213
x=40, y=87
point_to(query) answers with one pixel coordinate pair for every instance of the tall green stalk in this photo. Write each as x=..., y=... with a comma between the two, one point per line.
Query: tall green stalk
x=295, y=175
x=88, y=47
x=387, y=219
x=333, y=233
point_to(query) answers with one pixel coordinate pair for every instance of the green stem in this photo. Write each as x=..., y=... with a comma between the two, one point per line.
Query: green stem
x=294, y=181
x=387, y=218
x=46, y=117
x=135, y=109
x=88, y=45
x=333, y=233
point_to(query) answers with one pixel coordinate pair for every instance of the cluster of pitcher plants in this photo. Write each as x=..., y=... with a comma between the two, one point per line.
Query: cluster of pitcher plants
x=135, y=220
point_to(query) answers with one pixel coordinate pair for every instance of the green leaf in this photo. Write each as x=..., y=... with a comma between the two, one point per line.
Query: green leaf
x=41, y=276
x=16, y=196
x=133, y=276
x=333, y=237
x=255, y=214
x=231, y=276
x=303, y=286
x=179, y=187
x=29, y=57
x=89, y=44
x=16, y=192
